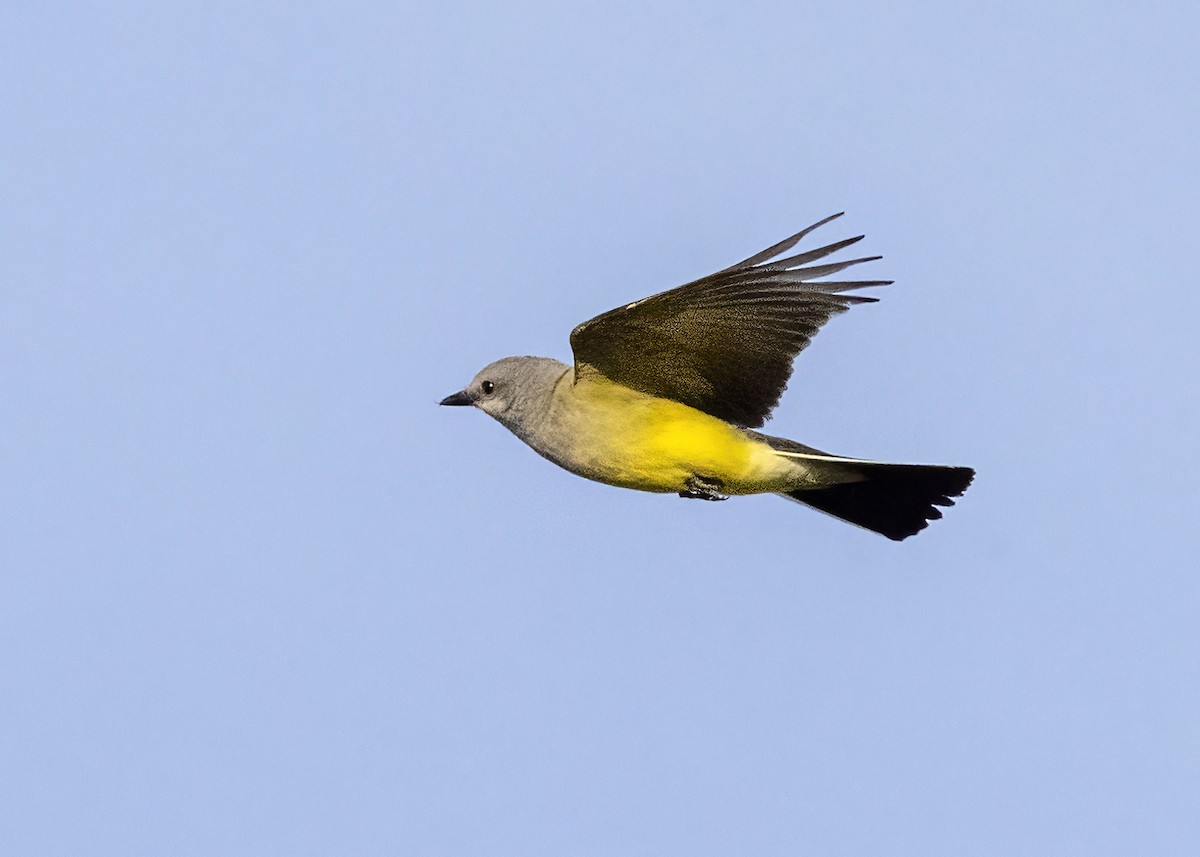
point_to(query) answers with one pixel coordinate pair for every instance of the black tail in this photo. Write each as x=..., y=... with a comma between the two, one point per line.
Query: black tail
x=895, y=500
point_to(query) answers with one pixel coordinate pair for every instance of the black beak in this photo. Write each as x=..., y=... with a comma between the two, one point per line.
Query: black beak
x=459, y=398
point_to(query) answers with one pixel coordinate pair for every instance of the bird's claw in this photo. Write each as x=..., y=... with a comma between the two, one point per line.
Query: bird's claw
x=701, y=488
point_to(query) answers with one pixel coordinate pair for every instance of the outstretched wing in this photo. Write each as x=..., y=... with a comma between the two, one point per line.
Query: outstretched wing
x=723, y=344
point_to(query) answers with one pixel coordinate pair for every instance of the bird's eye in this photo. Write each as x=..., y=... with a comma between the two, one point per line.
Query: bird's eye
x=488, y=388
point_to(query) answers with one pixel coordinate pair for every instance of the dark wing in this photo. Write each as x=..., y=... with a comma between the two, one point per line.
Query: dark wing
x=723, y=344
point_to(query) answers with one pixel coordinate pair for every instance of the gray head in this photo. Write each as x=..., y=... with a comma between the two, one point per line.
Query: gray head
x=512, y=390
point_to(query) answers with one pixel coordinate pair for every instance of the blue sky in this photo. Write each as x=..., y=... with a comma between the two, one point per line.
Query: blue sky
x=259, y=595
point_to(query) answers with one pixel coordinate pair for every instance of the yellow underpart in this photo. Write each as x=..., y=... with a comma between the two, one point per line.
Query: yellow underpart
x=618, y=435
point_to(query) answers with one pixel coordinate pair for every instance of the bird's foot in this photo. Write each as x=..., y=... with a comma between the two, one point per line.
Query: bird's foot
x=702, y=488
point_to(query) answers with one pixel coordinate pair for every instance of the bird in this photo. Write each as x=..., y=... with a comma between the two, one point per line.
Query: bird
x=665, y=395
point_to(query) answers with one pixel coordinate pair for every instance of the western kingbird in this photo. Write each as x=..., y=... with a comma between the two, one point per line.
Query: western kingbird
x=665, y=393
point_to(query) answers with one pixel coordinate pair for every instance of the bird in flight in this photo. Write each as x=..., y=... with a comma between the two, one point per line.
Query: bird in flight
x=665, y=395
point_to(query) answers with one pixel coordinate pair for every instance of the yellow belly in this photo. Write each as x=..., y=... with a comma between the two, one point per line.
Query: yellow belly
x=627, y=438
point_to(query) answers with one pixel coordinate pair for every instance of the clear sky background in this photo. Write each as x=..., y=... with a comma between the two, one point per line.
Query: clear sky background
x=260, y=595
